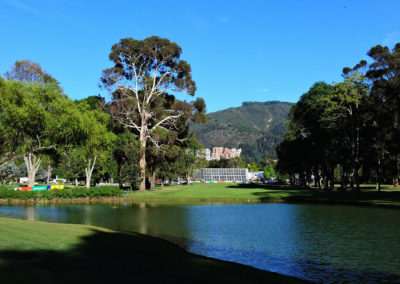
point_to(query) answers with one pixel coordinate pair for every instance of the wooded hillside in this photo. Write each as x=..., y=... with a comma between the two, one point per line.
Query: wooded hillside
x=256, y=127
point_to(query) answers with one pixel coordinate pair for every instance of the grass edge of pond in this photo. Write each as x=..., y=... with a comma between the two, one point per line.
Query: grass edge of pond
x=96, y=254
x=239, y=193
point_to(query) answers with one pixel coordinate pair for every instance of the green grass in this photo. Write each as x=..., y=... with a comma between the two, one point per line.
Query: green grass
x=222, y=192
x=39, y=252
x=269, y=193
x=203, y=191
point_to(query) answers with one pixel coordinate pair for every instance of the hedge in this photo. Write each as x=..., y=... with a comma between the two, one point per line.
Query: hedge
x=68, y=193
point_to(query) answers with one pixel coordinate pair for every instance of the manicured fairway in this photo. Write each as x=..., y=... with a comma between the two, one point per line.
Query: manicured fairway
x=228, y=191
x=269, y=193
x=39, y=252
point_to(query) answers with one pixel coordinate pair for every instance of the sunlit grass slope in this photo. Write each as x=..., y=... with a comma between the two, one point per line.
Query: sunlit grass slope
x=38, y=252
x=269, y=193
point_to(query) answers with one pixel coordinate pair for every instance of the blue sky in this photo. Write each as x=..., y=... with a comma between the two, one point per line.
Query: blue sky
x=239, y=50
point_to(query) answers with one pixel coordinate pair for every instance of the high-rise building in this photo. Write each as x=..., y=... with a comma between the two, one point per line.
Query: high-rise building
x=223, y=152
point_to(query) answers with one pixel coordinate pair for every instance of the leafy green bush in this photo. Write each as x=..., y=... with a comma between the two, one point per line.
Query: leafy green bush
x=68, y=193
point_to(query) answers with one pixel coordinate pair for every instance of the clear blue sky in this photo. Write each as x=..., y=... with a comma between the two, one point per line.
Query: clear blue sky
x=239, y=50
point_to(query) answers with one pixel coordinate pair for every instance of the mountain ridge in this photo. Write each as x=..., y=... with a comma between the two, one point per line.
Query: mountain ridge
x=256, y=127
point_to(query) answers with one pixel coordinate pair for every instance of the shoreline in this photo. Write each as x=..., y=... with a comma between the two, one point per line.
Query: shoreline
x=172, y=201
x=150, y=258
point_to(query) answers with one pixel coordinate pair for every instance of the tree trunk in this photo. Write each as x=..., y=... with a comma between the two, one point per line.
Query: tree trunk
x=318, y=177
x=332, y=180
x=76, y=182
x=352, y=183
x=357, y=177
x=396, y=179
x=49, y=169
x=357, y=156
x=89, y=171
x=119, y=175
x=343, y=179
x=315, y=178
x=153, y=181
x=142, y=156
x=326, y=187
x=188, y=179
x=32, y=165
x=378, y=173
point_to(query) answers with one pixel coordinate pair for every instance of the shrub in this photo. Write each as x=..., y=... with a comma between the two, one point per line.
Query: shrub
x=68, y=193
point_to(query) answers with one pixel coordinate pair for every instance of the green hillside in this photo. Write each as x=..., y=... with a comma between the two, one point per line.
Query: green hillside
x=255, y=127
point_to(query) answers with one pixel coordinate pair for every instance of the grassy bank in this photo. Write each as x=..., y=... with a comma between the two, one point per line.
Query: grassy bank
x=39, y=252
x=269, y=193
x=217, y=192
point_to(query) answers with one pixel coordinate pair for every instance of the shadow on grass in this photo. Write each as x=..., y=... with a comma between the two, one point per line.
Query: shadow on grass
x=388, y=199
x=105, y=257
x=295, y=194
x=266, y=186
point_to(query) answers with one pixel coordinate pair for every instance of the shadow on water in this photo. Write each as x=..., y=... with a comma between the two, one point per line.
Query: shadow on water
x=106, y=257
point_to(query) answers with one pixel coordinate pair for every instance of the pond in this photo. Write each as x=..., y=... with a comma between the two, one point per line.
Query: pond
x=321, y=243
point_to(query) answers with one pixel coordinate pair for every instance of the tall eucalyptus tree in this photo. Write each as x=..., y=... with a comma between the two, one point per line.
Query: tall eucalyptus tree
x=144, y=72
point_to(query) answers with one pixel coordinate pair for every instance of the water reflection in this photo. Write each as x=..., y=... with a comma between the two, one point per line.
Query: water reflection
x=315, y=242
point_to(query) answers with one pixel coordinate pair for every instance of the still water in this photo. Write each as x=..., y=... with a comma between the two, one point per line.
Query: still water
x=321, y=243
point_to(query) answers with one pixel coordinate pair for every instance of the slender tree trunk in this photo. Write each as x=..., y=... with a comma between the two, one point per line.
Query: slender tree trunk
x=119, y=175
x=325, y=173
x=49, y=170
x=332, y=180
x=343, y=179
x=357, y=177
x=89, y=171
x=32, y=164
x=396, y=179
x=188, y=179
x=326, y=184
x=352, y=183
x=354, y=179
x=357, y=155
x=153, y=181
x=76, y=182
x=315, y=177
x=318, y=177
x=378, y=172
x=142, y=156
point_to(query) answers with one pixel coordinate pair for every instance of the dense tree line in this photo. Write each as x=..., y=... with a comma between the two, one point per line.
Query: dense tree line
x=141, y=134
x=348, y=132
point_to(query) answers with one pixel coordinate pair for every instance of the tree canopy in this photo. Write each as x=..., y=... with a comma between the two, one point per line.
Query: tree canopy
x=144, y=74
x=347, y=129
